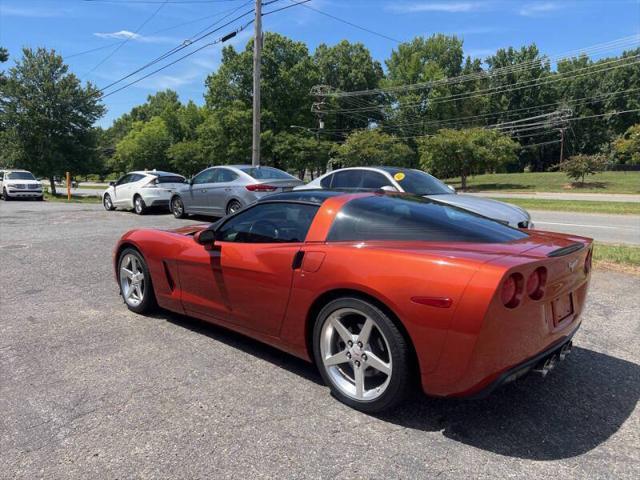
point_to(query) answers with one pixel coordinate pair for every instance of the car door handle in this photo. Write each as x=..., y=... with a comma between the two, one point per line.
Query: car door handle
x=297, y=260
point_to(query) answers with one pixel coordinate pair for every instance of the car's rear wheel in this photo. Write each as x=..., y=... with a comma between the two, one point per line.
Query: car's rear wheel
x=108, y=203
x=177, y=207
x=138, y=205
x=233, y=207
x=5, y=195
x=361, y=354
x=135, y=282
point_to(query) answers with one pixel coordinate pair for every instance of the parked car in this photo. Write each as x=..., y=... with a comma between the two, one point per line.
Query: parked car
x=219, y=191
x=420, y=183
x=142, y=190
x=19, y=184
x=372, y=287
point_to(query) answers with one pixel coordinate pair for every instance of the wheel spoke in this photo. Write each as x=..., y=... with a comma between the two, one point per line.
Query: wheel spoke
x=336, y=359
x=359, y=380
x=342, y=330
x=365, y=333
x=376, y=363
x=134, y=265
x=129, y=293
x=138, y=290
x=126, y=272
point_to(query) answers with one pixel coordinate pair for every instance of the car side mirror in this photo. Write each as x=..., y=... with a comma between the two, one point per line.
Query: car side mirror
x=206, y=238
x=451, y=188
x=112, y=184
x=389, y=188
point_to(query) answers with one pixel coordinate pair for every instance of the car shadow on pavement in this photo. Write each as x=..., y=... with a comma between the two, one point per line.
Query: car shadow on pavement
x=582, y=403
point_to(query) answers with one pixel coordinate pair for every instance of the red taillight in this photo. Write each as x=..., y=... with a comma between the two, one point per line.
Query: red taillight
x=587, y=261
x=261, y=188
x=536, y=282
x=511, y=290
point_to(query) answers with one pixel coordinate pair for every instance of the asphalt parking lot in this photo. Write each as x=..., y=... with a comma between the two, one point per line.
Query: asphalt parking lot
x=91, y=390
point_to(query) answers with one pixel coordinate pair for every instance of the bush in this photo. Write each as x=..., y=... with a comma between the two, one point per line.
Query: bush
x=579, y=166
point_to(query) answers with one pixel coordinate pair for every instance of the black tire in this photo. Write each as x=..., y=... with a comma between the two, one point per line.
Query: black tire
x=399, y=353
x=233, y=206
x=5, y=196
x=40, y=199
x=148, y=303
x=177, y=207
x=139, y=206
x=107, y=203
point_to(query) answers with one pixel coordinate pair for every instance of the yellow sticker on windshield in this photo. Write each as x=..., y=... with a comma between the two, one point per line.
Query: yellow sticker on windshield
x=399, y=176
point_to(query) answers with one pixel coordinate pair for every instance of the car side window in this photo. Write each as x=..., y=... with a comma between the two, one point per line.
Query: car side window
x=136, y=177
x=269, y=223
x=208, y=176
x=326, y=181
x=347, y=179
x=226, y=175
x=123, y=180
x=1, y=176
x=374, y=180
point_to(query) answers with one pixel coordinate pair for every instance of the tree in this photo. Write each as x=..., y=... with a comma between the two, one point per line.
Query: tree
x=300, y=152
x=466, y=152
x=187, y=157
x=578, y=166
x=373, y=147
x=48, y=116
x=144, y=147
x=626, y=149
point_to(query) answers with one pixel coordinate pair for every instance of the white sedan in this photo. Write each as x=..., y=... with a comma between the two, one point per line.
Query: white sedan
x=142, y=190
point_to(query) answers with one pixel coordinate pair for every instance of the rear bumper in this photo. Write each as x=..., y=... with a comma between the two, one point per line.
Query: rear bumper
x=524, y=368
x=156, y=197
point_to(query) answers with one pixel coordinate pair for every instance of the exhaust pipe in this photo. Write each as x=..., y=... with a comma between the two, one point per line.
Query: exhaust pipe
x=545, y=366
x=565, y=350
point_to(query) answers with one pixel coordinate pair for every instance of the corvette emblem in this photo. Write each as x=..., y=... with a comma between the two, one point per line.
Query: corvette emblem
x=572, y=264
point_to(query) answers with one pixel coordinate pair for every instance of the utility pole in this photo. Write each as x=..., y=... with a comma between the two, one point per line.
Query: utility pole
x=257, y=57
x=561, y=144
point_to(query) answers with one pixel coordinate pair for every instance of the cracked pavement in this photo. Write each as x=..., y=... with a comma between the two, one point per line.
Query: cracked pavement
x=91, y=390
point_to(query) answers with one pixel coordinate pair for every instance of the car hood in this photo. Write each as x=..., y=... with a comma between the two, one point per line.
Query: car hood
x=500, y=211
x=21, y=182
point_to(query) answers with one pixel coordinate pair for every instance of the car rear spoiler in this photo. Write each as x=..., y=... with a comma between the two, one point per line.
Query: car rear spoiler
x=574, y=247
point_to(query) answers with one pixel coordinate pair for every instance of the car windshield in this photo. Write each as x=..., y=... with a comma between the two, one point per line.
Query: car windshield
x=418, y=183
x=20, y=176
x=267, y=173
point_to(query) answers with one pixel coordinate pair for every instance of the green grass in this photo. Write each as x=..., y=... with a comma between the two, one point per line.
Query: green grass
x=605, y=182
x=588, y=206
x=625, y=256
x=74, y=198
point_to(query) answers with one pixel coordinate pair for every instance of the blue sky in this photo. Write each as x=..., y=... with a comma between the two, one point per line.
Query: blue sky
x=74, y=26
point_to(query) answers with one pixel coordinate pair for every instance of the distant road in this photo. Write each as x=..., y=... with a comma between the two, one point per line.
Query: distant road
x=602, y=227
x=599, y=197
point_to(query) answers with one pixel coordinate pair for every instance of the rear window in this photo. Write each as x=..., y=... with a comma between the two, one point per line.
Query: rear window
x=409, y=218
x=419, y=183
x=171, y=179
x=265, y=173
x=20, y=176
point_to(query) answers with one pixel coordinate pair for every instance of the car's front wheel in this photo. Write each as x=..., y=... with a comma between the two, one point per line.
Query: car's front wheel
x=135, y=282
x=233, y=207
x=108, y=203
x=177, y=207
x=5, y=195
x=361, y=354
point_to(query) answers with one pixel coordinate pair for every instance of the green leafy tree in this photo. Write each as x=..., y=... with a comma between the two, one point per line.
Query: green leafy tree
x=302, y=152
x=187, y=157
x=372, y=147
x=466, y=152
x=144, y=147
x=626, y=149
x=579, y=166
x=48, y=115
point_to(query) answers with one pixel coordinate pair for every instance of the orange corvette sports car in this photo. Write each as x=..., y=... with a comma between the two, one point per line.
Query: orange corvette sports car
x=377, y=289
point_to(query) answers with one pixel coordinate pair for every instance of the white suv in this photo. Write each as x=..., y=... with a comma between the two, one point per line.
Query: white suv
x=142, y=190
x=19, y=184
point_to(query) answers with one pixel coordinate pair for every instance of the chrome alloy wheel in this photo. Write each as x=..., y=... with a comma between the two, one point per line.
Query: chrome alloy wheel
x=132, y=282
x=178, y=207
x=355, y=354
x=137, y=204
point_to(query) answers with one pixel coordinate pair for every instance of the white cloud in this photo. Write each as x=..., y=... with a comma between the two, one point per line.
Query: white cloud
x=540, y=8
x=126, y=34
x=446, y=7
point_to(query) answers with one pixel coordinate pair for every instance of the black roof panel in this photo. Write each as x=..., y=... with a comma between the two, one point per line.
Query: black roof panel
x=313, y=196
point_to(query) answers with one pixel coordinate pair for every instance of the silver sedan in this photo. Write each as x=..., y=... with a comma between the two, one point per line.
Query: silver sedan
x=218, y=191
x=409, y=180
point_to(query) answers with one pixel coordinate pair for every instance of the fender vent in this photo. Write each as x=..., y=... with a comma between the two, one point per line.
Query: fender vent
x=566, y=250
x=167, y=274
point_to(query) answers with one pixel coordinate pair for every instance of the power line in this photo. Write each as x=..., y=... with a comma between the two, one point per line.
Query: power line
x=126, y=40
x=364, y=29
